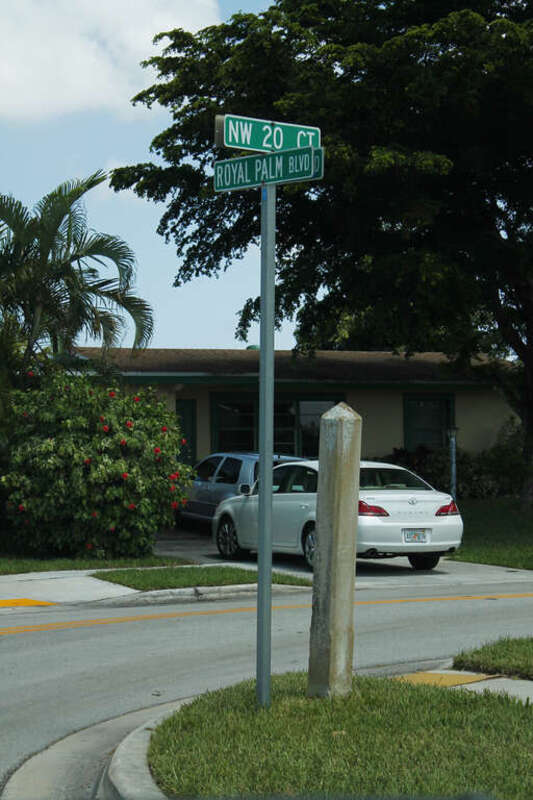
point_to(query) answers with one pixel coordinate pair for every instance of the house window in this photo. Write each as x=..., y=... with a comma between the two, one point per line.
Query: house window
x=310, y=413
x=426, y=420
x=235, y=423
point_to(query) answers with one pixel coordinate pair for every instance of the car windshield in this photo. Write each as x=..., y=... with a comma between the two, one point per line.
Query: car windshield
x=376, y=478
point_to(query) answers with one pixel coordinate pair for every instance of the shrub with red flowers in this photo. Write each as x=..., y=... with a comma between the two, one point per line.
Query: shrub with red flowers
x=74, y=483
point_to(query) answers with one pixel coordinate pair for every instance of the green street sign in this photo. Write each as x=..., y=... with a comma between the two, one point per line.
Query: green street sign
x=304, y=163
x=248, y=133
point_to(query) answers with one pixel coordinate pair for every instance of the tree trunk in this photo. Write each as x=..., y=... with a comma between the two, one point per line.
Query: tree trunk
x=33, y=337
x=526, y=494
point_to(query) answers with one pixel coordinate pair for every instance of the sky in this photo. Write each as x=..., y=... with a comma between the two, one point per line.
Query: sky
x=68, y=71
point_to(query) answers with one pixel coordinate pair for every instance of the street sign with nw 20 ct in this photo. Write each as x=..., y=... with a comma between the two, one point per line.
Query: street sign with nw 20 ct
x=248, y=133
x=304, y=163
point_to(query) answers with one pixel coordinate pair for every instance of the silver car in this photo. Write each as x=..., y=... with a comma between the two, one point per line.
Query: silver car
x=218, y=477
x=399, y=514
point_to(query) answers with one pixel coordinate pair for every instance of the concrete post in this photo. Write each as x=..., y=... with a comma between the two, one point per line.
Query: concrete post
x=332, y=626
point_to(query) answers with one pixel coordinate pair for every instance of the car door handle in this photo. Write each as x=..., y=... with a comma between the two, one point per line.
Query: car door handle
x=304, y=505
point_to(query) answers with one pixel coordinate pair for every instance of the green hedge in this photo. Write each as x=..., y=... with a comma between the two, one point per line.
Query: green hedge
x=91, y=470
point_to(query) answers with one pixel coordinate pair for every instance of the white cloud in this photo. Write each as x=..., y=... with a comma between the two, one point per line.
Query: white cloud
x=62, y=56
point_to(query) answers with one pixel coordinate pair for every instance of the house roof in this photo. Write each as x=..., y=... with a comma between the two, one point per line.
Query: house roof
x=339, y=367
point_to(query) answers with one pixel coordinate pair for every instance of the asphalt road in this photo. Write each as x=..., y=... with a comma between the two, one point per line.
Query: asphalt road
x=79, y=666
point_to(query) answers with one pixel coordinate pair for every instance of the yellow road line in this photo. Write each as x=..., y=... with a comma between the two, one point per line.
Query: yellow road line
x=23, y=601
x=51, y=626
x=440, y=679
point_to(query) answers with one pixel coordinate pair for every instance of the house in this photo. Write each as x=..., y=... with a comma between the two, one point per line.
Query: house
x=404, y=403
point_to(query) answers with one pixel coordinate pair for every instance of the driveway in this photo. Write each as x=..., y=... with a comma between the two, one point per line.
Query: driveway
x=195, y=543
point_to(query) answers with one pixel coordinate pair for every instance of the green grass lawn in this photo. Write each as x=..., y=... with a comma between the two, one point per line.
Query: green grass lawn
x=386, y=738
x=183, y=577
x=13, y=565
x=505, y=656
x=496, y=531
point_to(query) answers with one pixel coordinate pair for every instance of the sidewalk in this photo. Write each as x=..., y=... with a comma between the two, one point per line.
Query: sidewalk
x=77, y=586
x=51, y=588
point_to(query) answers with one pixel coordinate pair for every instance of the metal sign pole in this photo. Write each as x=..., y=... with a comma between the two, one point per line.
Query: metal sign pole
x=266, y=425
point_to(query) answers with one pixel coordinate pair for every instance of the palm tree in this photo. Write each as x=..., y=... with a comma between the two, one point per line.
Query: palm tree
x=50, y=282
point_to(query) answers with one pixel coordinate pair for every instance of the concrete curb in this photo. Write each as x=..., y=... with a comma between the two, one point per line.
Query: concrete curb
x=128, y=777
x=192, y=594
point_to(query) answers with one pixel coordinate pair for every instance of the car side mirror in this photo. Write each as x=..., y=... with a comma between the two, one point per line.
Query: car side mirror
x=244, y=488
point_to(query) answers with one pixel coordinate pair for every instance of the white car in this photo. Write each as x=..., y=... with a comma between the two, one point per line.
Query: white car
x=399, y=515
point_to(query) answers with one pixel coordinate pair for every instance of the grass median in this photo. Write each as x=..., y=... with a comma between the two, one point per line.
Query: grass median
x=496, y=531
x=185, y=577
x=14, y=565
x=385, y=738
x=506, y=656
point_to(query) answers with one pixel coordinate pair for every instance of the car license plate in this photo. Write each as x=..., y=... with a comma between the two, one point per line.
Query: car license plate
x=416, y=535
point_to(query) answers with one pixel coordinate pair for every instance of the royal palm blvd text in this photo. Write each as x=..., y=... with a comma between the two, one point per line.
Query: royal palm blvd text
x=250, y=171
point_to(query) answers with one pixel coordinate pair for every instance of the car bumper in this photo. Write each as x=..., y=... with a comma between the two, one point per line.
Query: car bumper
x=441, y=535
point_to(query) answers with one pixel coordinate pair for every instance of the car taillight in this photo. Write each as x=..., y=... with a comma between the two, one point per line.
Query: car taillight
x=447, y=510
x=371, y=511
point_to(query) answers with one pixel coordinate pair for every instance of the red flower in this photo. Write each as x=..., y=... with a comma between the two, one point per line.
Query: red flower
x=91, y=392
x=172, y=488
x=125, y=476
x=157, y=450
x=184, y=501
x=89, y=546
x=129, y=424
x=132, y=506
x=112, y=528
x=111, y=394
x=105, y=428
x=174, y=504
x=22, y=507
x=30, y=373
x=102, y=419
x=184, y=441
x=24, y=413
x=136, y=399
x=87, y=461
x=164, y=429
x=176, y=476
x=123, y=442
x=94, y=514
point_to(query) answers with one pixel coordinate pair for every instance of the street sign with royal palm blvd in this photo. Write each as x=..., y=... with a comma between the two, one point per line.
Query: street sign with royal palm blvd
x=287, y=166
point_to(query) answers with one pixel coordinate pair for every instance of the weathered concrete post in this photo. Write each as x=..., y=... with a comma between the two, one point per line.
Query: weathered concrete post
x=332, y=626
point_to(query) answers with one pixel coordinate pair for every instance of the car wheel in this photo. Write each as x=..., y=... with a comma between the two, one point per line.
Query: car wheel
x=421, y=561
x=309, y=544
x=227, y=541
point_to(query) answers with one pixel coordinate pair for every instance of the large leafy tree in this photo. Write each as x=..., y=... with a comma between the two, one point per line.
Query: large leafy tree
x=420, y=235
x=51, y=287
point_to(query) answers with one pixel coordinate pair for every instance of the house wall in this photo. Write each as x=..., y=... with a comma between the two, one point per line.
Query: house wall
x=479, y=415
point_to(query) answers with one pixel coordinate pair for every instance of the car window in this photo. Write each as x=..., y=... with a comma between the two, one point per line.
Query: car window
x=376, y=478
x=280, y=479
x=303, y=479
x=229, y=471
x=206, y=469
